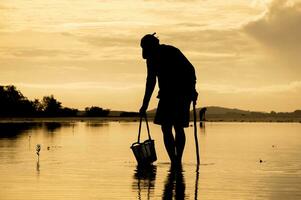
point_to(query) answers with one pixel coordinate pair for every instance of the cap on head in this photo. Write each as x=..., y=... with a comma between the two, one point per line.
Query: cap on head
x=149, y=43
x=149, y=40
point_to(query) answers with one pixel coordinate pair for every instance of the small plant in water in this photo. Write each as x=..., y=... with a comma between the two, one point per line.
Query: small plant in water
x=38, y=149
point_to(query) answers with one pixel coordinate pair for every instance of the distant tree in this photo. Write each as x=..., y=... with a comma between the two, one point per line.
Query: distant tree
x=51, y=106
x=273, y=112
x=37, y=105
x=95, y=111
x=13, y=103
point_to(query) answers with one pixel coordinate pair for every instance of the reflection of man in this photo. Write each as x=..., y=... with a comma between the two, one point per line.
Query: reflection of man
x=174, y=187
x=176, y=79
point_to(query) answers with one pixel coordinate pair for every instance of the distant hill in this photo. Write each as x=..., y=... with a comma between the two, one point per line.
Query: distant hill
x=216, y=113
x=221, y=110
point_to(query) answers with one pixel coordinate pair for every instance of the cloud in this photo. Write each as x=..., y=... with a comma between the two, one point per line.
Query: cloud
x=3, y=7
x=34, y=44
x=114, y=47
x=3, y=17
x=111, y=41
x=217, y=41
x=279, y=28
x=40, y=53
x=82, y=85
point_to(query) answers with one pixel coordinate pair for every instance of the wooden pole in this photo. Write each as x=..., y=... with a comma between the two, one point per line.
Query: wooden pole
x=195, y=135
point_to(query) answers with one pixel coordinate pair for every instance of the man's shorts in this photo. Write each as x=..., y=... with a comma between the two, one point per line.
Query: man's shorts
x=174, y=111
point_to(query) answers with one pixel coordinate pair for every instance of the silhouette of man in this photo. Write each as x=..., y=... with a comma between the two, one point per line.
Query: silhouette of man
x=176, y=80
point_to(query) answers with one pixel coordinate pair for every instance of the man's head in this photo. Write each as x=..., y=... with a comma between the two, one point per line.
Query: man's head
x=149, y=44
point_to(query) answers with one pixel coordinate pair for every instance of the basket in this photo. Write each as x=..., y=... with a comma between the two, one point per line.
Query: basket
x=145, y=152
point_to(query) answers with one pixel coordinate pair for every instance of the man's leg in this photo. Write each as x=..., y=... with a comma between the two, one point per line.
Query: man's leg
x=180, y=142
x=169, y=142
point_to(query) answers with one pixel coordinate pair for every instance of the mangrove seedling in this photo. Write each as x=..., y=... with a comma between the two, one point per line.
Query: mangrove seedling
x=38, y=149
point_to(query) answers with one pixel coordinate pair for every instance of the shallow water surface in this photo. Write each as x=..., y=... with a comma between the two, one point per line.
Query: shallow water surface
x=92, y=160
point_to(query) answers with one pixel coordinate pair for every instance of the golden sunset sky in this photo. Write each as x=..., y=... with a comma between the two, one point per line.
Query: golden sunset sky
x=86, y=52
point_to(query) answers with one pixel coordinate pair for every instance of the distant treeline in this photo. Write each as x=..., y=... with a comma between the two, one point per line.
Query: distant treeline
x=14, y=104
x=225, y=114
x=129, y=114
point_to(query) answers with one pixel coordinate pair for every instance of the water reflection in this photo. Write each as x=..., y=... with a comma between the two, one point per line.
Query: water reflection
x=13, y=130
x=93, y=169
x=16, y=129
x=203, y=127
x=52, y=127
x=96, y=124
x=38, y=168
x=196, y=188
x=144, y=181
x=174, y=187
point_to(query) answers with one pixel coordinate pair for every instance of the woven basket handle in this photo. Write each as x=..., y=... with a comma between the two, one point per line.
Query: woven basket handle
x=139, y=132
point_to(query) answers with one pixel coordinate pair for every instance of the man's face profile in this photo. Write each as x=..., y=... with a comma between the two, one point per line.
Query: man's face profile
x=146, y=52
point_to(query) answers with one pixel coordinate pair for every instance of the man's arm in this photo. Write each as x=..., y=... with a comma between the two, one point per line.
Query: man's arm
x=149, y=88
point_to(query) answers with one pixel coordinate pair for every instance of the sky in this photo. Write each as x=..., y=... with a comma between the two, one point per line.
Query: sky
x=87, y=52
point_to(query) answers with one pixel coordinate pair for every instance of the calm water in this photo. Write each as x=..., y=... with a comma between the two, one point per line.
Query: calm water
x=88, y=160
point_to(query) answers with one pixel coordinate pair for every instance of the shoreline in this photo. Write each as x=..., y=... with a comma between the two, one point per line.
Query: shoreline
x=130, y=119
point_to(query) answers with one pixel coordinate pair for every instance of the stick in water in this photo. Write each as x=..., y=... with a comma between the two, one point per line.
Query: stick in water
x=195, y=135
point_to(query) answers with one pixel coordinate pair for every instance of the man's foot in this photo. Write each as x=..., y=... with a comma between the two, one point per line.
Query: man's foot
x=176, y=165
